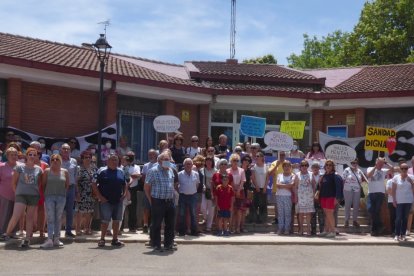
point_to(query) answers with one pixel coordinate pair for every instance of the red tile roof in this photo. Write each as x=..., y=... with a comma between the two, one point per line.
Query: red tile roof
x=212, y=77
x=42, y=53
x=250, y=72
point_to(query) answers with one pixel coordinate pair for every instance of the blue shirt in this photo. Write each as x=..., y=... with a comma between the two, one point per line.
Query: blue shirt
x=161, y=182
x=111, y=184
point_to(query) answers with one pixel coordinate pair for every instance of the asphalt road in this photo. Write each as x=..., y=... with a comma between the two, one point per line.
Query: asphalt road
x=136, y=259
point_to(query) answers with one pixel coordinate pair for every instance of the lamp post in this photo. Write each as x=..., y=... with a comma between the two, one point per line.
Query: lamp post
x=102, y=50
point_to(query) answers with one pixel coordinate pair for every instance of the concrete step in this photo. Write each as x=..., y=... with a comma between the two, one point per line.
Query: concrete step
x=269, y=228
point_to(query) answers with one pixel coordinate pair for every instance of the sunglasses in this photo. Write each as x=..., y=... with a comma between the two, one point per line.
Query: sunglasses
x=303, y=165
x=65, y=149
x=259, y=156
x=86, y=157
x=235, y=160
x=404, y=169
x=210, y=151
x=194, y=141
x=72, y=142
x=54, y=159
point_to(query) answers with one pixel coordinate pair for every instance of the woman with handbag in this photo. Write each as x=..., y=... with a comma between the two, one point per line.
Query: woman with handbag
x=207, y=201
x=353, y=191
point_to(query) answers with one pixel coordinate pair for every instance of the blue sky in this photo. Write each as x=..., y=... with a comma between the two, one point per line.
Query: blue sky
x=182, y=30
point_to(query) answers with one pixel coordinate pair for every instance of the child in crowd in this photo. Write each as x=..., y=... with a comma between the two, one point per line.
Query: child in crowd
x=224, y=196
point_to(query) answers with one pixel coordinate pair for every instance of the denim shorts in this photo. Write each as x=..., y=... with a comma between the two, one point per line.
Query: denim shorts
x=111, y=211
x=224, y=214
x=29, y=200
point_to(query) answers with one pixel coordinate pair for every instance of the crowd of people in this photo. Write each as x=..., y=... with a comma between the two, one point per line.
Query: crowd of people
x=42, y=190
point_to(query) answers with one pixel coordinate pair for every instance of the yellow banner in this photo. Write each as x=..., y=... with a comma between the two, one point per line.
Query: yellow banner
x=294, y=128
x=376, y=138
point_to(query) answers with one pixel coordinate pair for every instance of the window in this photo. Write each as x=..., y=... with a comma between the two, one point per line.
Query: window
x=3, y=93
x=388, y=117
x=272, y=118
x=222, y=115
x=138, y=128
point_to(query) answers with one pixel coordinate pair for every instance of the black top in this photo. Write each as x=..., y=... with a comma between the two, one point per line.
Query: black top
x=331, y=186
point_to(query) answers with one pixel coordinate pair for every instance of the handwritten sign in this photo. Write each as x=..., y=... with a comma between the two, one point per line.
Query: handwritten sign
x=278, y=141
x=294, y=128
x=376, y=138
x=166, y=123
x=252, y=126
x=340, y=154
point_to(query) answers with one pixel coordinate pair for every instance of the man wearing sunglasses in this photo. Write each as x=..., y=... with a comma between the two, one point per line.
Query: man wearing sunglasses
x=376, y=192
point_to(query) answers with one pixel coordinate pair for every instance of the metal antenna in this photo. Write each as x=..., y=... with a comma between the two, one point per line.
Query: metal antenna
x=105, y=23
x=233, y=30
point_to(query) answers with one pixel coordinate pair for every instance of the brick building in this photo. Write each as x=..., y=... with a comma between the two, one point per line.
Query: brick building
x=51, y=89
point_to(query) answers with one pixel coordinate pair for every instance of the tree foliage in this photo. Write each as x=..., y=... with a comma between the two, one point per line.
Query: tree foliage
x=384, y=34
x=266, y=59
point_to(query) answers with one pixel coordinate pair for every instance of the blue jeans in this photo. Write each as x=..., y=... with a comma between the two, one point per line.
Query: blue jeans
x=162, y=209
x=376, y=200
x=190, y=202
x=401, y=213
x=70, y=201
x=54, y=210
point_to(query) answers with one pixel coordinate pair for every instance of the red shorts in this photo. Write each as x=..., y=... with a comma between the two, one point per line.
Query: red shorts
x=327, y=202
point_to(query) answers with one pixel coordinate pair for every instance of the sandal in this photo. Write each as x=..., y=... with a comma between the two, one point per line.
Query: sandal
x=101, y=243
x=117, y=243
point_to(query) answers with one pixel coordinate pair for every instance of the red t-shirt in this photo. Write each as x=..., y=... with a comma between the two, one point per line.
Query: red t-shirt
x=216, y=179
x=224, y=196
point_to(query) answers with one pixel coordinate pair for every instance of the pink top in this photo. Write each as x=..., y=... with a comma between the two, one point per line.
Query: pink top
x=6, y=175
x=318, y=155
x=239, y=177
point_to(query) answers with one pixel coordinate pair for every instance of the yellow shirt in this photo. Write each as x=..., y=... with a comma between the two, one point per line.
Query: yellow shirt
x=278, y=170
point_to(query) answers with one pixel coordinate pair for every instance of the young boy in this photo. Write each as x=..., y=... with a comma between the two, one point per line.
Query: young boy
x=318, y=214
x=224, y=196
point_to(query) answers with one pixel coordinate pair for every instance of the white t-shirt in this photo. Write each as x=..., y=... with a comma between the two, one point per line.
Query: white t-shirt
x=282, y=179
x=404, y=192
x=376, y=184
x=352, y=180
x=192, y=152
x=389, y=185
x=134, y=169
x=260, y=175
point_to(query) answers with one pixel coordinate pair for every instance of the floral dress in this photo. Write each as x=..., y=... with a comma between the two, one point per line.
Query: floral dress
x=305, y=194
x=87, y=202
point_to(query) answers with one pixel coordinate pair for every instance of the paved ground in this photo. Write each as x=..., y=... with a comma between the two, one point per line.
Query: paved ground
x=196, y=259
x=250, y=238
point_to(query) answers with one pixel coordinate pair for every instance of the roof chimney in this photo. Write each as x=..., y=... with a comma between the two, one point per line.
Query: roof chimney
x=232, y=61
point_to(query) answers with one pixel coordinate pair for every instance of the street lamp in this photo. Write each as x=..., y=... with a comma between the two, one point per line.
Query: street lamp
x=102, y=50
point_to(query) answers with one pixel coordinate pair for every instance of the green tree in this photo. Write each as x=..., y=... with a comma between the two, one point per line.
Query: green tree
x=384, y=34
x=321, y=53
x=266, y=59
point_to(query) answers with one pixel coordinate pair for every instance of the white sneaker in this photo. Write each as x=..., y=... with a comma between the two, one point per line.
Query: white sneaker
x=331, y=235
x=57, y=242
x=396, y=238
x=403, y=238
x=47, y=244
x=323, y=234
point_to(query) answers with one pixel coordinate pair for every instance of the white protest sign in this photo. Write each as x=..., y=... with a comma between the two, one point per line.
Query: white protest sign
x=340, y=154
x=278, y=141
x=166, y=123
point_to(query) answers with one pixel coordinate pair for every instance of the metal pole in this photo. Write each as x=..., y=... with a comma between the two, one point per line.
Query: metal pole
x=101, y=113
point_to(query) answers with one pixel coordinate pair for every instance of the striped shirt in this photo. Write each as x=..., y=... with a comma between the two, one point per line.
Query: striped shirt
x=161, y=182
